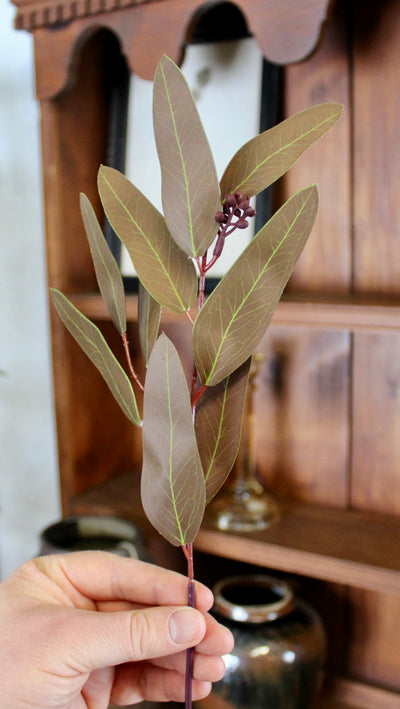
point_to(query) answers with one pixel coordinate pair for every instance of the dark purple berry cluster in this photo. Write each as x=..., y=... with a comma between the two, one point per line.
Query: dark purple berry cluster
x=235, y=205
x=236, y=210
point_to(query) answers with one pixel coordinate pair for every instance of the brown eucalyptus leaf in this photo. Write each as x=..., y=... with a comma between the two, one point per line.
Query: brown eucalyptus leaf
x=163, y=268
x=233, y=320
x=107, y=272
x=190, y=190
x=265, y=158
x=91, y=340
x=172, y=487
x=149, y=316
x=218, y=424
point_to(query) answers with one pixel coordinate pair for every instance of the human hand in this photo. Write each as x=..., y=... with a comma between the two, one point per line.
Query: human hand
x=81, y=630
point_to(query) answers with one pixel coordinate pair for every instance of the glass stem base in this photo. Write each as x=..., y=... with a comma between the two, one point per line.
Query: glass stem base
x=244, y=507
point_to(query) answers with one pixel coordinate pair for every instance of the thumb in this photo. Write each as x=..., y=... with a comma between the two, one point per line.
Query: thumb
x=109, y=639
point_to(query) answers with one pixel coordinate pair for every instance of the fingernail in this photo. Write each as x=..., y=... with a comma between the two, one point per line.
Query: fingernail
x=183, y=626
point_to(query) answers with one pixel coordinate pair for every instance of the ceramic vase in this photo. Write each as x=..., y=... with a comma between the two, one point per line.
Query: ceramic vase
x=279, y=645
x=85, y=532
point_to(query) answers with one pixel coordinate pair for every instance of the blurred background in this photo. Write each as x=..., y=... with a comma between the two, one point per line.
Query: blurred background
x=28, y=466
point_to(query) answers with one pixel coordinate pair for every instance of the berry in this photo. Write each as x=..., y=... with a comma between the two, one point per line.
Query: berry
x=230, y=200
x=220, y=218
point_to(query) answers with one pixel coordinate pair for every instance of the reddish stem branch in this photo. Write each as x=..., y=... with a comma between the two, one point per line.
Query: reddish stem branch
x=189, y=317
x=129, y=361
x=198, y=395
x=193, y=392
x=202, y=266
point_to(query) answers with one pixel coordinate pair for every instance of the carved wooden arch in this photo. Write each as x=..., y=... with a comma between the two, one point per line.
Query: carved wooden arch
x=286, y=32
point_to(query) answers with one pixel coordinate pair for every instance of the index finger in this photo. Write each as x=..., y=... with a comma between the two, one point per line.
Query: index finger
x=102, y=576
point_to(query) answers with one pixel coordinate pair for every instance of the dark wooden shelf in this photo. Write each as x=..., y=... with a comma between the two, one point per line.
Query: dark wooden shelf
x=353, y=313
x=324, y=703
x=352, y=548
x=331, y=544
x=337, y=693
x=321, y=704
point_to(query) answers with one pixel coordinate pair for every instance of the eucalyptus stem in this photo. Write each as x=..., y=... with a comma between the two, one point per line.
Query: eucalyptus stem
x=188, y=551
x=129, y=361
x=225, y=228
x=188, y=548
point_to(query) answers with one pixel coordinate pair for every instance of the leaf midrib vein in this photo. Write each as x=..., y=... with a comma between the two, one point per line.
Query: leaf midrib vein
x=150, y=245
x=219, y=434
x=171, y=429
x=184, y=171
x=93, y=228
x=280, y=150
x=102, y=357
x=255, y=282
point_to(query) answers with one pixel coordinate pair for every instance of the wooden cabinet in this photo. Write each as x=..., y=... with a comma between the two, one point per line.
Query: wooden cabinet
x=328, y=404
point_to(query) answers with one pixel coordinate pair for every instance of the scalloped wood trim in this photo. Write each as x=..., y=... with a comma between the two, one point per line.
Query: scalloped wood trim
x=32, y=14
x=286, y=32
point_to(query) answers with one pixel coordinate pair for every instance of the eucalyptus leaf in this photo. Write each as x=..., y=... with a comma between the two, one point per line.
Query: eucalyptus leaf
x=149, y=316
x=190, y=190
x=92, y=342
x=218, y=423
x=265, y=158
x=107, y=272
x=233, y=320
x=163, y=268
x=172, y=486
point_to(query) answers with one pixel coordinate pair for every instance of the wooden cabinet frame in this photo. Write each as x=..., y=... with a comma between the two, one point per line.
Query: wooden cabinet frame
x=327, y=437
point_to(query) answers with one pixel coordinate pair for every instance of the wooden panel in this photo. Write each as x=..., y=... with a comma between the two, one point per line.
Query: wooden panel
x=74, y=141
x=376, y=411
x=375, y=625
x=376, y=146
x=74, y=138
x=375, y=621
x=358, y=695
x=326, y=261
x=376, y=482
x=373, y=635
x=302, y=415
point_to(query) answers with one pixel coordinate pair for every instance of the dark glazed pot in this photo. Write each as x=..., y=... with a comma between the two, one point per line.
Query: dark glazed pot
x=279, y=645
x=85, y=532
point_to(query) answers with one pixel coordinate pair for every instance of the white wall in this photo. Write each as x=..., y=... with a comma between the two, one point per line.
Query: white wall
x=28, y=474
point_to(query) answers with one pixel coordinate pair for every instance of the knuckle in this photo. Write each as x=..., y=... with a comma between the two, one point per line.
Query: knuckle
x=141, y=635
